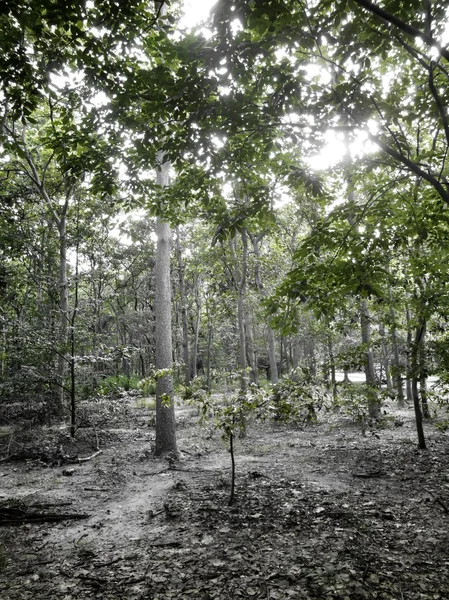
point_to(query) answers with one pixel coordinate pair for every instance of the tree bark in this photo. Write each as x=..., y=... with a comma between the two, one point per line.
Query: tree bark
x=63, y=305
x=422, y=358
x=370, y=376
x=415, y=375
x=165, y=407
x=196, y=327
x=385, y=358
x=182, y=293
x=274, y=376
x=396, y=360
x=241, y=318
x=409, y=389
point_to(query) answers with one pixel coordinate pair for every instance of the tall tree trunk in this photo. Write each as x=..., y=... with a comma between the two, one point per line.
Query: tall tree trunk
x=196, y=327
x=182, y=293
x=408, y=384
x=274, y=376
x=396, y=360
x=241, y=317
x=165, y=406
x=330, y=349
x=209, y=357
x=63, y=303
x=251, y=353
x=414, y=366
x=385, y=358
x=370, y=376
x=422, y=357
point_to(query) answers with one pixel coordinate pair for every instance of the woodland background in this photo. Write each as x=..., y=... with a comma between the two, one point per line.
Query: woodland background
x=124, y=135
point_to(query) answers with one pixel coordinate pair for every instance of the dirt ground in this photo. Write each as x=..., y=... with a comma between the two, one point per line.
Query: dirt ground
x=323, y=512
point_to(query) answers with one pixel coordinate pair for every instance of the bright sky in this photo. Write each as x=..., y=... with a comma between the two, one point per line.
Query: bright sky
x=196, y=11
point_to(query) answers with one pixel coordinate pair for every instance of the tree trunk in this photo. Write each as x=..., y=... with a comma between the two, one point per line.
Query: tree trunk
x=251, y=356
x=196, y=327
x=370, y=376
x=396, y=360
x=242, y=338
x=182, y=293
x=414, y=375
x=209, y=357
x=385, y=359
x=330, y=349
x=295, y=352
x=423, y=374
x=409, y=390
x=165, y=407
x=63, y=305
x=274, y=376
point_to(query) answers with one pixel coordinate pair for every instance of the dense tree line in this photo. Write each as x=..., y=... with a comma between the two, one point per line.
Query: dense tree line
x=161, y=219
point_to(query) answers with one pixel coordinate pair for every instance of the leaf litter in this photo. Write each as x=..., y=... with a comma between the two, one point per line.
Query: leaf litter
x=321, y=513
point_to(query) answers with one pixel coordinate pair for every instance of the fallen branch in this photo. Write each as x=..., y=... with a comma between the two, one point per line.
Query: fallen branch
x=368, y=475
x=48, y=504
x=14, y=516
x=83, y=460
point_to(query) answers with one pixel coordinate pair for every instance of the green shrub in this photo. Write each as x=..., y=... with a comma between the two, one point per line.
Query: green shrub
x=353, y=401
x=298, y=396
x=118, y=383
x=196, y=389
x=147, y=386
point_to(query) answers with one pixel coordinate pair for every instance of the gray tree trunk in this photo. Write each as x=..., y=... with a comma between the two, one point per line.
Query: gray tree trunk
x=196, y=327
x=385, y=359
x=399, y=384
x=251, y=357
x=370, y=375
x=409, y=389
x=165, y=406
x=274, y=376
x=182, y=293
x=63, y=304
x=423, y=374
x=241, y=317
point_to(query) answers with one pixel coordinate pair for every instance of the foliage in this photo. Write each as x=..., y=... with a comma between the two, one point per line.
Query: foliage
x=353, y=401
x=115, y=384
x=147, y=386
x=297, y=397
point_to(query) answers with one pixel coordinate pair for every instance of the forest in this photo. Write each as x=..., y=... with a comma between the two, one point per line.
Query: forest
x=224, y=250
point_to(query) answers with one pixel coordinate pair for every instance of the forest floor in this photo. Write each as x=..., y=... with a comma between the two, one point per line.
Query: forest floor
x=323, y=512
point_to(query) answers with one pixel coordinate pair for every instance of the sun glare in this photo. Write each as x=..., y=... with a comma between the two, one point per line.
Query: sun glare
x=195, y=12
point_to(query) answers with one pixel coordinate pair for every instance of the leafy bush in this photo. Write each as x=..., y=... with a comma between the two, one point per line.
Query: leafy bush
x=297, y=397
x=118, y=383
x=147, y=386
x=353, y=401
x=196, y=389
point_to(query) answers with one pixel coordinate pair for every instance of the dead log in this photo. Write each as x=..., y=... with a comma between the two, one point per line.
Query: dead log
x=15, y=516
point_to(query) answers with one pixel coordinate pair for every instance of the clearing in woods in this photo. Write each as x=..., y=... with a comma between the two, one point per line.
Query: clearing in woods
x=323, y=512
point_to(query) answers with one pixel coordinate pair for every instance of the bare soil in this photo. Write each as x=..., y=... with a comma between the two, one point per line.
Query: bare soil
x=324, y=512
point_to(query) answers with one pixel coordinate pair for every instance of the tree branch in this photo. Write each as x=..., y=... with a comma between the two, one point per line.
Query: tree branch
x=400, y=24
x=439, y=187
